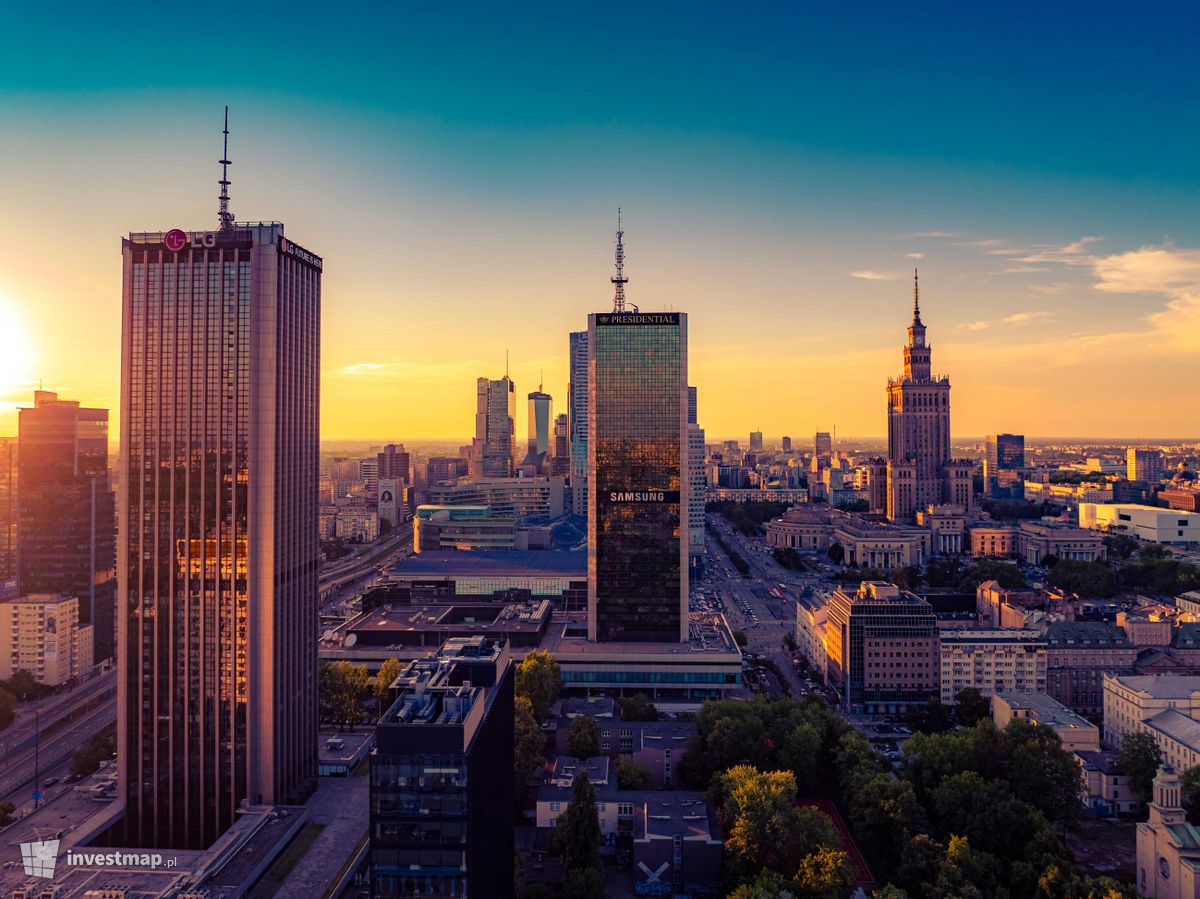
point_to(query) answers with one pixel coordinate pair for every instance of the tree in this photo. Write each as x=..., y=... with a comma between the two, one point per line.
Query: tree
x=25, y=687
x=388, y=672
x=824, y=874
x=583, y=741
x=632, y=775
x=1139, y=758
x=342, y=686
x=8, y=708
x=1190, y=783
x=1041, y=772
x=88, y=757
x=577, y=834
x=931, y=717
x=584, y=883
x=6, y=814
x=1084, y=578
x=1006, y=574
x=637, y=707
x=539, y=678
x=529, y=742
x=740, y=638
x=768, y=885
x=837, y=553
x=970, y=705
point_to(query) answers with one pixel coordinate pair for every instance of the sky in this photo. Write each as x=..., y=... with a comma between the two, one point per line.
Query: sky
x=781, y=170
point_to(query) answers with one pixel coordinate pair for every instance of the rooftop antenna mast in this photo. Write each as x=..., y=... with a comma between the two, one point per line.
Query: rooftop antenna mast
x=916, y=297
x=619, y=279
x=224, y=216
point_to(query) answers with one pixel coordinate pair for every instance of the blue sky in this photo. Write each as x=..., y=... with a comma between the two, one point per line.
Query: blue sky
x=780, y=168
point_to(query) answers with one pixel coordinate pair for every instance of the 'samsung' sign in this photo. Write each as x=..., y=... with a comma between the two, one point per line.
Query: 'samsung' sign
x=643, y=496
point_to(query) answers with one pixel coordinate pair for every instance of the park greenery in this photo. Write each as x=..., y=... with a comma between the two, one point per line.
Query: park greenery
x=973, y=812
x=342, y=688
x=637, y=707
x=577, y=839
x=538, y=684
x=789, y=558
x=632, y=775
x=87, y=758
x=748, y=518
x=583, y=739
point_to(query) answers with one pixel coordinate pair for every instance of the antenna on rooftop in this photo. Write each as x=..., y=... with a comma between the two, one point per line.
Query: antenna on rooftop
x=619, y=279
x=224, y=216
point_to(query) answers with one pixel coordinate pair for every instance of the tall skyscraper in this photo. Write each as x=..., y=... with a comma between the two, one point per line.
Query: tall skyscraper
x=1003, y=463
x=540, y=421
x=560, y=464
x=494, y=448
x=785, y=444
x=66, y=527
x=697, y=484
x=218, y=576
x=577, y=415
x=920, y=470
x=822, y=445
x=1144, y=465
x=756, y=442
x=637, y=473
x=8, y=509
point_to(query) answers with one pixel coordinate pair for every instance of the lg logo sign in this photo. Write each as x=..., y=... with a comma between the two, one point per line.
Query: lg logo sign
x=175, y=240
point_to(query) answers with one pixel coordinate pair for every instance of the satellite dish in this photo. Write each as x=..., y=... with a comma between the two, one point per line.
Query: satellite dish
x=328, y=635
x=351, y=640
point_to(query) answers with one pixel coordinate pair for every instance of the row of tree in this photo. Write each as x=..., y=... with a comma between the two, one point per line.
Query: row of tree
x=345, y=691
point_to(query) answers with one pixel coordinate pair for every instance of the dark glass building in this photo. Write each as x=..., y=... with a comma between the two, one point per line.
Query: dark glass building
x=442, y=777
x=8, y=511
x=1003, y=465
x=637, y=487
x=66, y=530
x=218, y=541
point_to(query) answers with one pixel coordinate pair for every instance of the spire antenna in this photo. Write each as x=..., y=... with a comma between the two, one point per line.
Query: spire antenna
x=916, y=297
x=619, y=280
x=224, y=216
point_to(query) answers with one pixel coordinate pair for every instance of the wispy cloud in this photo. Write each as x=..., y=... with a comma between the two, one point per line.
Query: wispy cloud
x=1164, y=270
x=939, y=234
x=366, y=368
x=1023, y=318
x=868, y=275
x=975, y=326
x=914, y=255
x=1074, y=253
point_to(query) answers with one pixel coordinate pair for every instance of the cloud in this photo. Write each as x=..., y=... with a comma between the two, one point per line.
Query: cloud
x=867, y=275
x=1167, y=271
x=975, y=326
x=941, y=234
x=366, y=368
x=914, y=255
x=1070, y=254
x=1022, y=318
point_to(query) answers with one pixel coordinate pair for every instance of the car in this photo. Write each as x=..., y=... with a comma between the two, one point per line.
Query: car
x=49, y=781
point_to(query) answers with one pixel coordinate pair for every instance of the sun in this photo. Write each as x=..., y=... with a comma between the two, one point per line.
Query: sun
x=16, y=356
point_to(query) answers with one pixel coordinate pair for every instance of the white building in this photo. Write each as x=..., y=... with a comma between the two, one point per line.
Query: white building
x=1168, y=847
x=1144, y=522
x=40, y=633
x=1166, y=706
x=996, y=660
x=811, y=615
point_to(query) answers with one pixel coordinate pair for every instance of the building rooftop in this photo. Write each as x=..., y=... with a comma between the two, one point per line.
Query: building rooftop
x=564, y=769
x=1045, y=709
x=1187, y=636
x=1102, y=760
x=994, y=635
x=374, y=628
x=1160, y=686
x=1177, y=726
x=494, y=563
x=708, y=635
x=1085, y=634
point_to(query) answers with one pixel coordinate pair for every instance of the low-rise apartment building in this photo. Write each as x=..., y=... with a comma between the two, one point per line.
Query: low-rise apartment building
x=996, y=660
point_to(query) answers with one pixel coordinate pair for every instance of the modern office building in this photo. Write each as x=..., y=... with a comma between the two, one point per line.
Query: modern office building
x=66, y=518
x=577, y=414
x=8, y=509
x=560, y=459
x=441, y=780
x=638, y=477
x=494, y=449
x=822, y=445
x=1144, y=465
x=785, y=444
x=474, y=528
x=881, y=645
x=541, y=417
x=1151, y=523
x=445, y=468
x=508, y=497
x=1003, y=465
x=217, y=683
x=490, y=576
x=696, y=484
x=756, y=441
x=395, y=463
x=920, y=471
x=42, y=634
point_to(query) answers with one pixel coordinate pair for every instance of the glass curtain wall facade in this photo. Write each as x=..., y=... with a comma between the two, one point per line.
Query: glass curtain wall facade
x=8, y=509
x=67, y=531
x=577, y=414
x=218, y=549
x=637, y=490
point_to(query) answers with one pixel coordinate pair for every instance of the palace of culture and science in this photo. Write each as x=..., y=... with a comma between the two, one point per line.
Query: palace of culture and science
x=920, y=472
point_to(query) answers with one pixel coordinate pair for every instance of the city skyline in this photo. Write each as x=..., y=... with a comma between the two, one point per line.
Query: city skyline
x=782, y=205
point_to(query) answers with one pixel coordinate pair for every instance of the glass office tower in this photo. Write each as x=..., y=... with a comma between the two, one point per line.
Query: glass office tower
x=577, y=423
x=217, y=567
x=637, y=486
